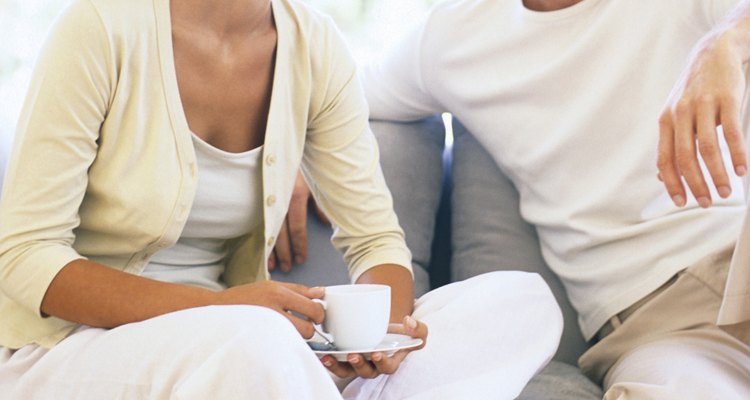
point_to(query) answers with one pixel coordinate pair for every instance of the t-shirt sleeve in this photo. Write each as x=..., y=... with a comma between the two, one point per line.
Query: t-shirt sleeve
x=720, y=9
x=394, y=83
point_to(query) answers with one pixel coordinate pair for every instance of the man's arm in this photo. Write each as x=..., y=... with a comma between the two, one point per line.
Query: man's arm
x=709, y=94
x=395, y=85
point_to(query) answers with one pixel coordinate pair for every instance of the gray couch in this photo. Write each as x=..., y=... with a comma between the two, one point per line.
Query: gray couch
x=461, y=218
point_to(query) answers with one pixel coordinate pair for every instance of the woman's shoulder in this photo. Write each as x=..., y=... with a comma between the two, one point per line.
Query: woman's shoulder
x=119, y=16
x=313, y=33
x=308, y=21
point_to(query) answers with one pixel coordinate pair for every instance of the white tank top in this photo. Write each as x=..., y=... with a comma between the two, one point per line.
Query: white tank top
x=228, y=204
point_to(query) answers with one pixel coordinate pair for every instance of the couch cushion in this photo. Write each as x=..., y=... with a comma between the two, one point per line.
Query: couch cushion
x=324, y=265
x=560, y=381
x=489, y=234
x=415, y=178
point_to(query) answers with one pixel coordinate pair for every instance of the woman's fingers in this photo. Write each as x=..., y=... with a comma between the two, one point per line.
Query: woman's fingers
x=298, y=301
x=362, y=367
x=358, y=365
x=341, y=369
x=379, y=363
x=303, y=326
x=385, y=364
x=293, y=301
x=411, y=327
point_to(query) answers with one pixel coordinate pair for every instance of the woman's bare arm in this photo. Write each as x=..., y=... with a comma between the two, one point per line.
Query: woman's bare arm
x=92, y=294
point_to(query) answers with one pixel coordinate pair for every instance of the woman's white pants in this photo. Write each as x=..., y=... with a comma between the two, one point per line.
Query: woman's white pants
x=488, y=336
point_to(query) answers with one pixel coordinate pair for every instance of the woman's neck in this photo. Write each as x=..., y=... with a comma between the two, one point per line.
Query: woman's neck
x=549, y=5
x=225, y=18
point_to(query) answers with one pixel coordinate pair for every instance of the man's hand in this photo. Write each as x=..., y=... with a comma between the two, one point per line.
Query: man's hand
x=378, y=364
x=291, y=245
x=709, y=94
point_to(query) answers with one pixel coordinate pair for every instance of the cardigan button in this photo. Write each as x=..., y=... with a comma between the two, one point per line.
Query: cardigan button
x=270, y=200
x=270, y=159
x=270, y=241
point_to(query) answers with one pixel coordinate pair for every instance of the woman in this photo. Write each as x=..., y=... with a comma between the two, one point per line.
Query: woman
x=153, y=163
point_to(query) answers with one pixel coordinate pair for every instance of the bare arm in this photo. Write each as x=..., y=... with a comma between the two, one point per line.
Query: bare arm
x=709, y=93
x=89, y=293
x=402, y=288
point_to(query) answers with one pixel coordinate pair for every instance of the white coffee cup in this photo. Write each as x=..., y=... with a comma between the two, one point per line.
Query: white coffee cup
x=357, y=316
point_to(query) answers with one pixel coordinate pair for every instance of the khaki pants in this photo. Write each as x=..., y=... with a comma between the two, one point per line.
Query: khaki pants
x=667, y=346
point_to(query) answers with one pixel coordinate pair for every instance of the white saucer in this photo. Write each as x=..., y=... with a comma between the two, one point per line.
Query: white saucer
x=390, y=344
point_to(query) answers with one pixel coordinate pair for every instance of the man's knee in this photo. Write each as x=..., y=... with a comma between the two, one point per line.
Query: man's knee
x=701, y=364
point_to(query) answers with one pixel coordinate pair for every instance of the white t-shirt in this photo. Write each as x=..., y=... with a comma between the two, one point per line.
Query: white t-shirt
x=567, y=103
x=228, y=204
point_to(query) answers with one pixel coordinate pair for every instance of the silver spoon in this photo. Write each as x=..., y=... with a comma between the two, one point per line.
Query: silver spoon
x=319, y=346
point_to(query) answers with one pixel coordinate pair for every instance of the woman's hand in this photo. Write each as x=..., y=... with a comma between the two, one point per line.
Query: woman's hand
x=290, y=300
x=709, y=93
x=378, y=364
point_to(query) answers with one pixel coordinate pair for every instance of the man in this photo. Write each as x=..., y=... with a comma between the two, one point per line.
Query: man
x=565, y=95
x=710, y=94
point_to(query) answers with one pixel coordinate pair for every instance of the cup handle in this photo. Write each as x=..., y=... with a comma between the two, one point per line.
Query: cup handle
x=322, y=303
x=319, y=328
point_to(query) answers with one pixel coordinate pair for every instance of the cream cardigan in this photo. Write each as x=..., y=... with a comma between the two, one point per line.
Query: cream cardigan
x=103, y=166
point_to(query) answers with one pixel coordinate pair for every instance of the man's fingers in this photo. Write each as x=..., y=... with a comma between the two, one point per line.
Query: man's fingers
x=297, y=225
x=708, y=146
x=321, y=215
x=272, y=261
x=283, y=250
x=666, y=163
x=686, y=154
x=730, y=122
